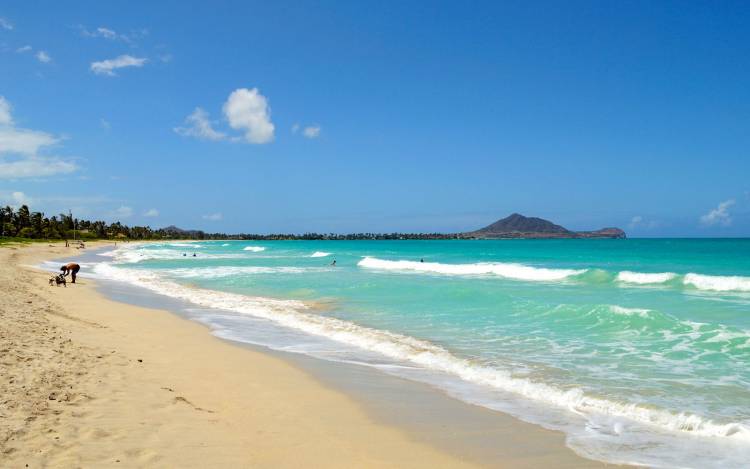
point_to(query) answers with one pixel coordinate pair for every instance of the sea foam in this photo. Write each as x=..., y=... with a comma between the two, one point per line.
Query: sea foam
x=233, y=271
x=643, y=278
x=254, y=248
x=501, y=269
x=642, y=312
x=718, y=283
x=138, y=253
x=320, y=254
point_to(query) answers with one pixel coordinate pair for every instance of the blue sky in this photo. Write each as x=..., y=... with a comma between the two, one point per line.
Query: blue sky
x=362, y=116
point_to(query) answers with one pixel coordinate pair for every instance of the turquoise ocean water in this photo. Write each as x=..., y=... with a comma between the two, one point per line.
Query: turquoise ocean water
x=639, y=350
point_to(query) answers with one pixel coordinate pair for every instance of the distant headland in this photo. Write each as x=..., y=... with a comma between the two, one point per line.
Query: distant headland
x=519, y=226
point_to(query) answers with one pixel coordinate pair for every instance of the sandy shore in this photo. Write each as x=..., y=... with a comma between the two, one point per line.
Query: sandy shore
x=89, y=382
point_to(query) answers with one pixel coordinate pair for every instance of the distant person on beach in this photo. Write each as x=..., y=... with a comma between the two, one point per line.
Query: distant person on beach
x=72, y=269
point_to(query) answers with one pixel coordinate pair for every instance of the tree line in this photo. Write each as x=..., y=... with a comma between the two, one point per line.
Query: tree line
x=23, y=223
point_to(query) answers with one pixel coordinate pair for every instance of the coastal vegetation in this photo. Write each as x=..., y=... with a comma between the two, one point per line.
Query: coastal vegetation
x=23, y=224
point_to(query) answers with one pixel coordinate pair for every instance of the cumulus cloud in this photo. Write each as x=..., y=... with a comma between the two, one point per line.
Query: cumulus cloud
x=20, y=148
x=43, y=57
x=5, y=24
x=719, y=216
x=15, y=199
x=123, y=211
x=198, y=125
x=312, y=131
x=151, y=213
x=245, y=110
x=213, y=216
x=108, y=67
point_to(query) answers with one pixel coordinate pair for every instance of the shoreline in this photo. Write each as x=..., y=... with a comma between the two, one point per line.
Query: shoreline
x=195, y=399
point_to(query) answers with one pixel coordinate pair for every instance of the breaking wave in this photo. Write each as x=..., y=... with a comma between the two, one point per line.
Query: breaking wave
x=187, y=245
x=232, y=271
x=642, y=278
x=644, y=313
x=320, y=254
x=714, y=283
x=718, y=283
x=506, y=270
x=254, y=248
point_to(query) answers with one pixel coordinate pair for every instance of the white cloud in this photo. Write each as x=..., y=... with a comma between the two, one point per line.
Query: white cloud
x=35, y=167
x=719, y=216
x=19, y=150
x=151, y=213
x=20, y=198
x=105, y=33
x=43, y=57
x=247, y=110
x=82, y=206
x=312, y=131
x=213, y=216
x=200, y=127
x=639, y=222
x=5, y=24
x=5, y=112
x=635, y=221
x=14, y=199
x=108, y=67
x=123, y=212
x=108, y=33
x=26, y=48
x=24, y=141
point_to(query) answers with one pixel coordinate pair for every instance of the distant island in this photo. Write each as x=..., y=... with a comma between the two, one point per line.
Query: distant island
x=25, y=224
x=519, y=226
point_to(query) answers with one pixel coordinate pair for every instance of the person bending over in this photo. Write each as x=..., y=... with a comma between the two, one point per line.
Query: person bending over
x=71, y=269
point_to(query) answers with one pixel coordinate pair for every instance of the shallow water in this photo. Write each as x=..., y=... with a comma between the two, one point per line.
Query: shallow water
x=637, y=349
